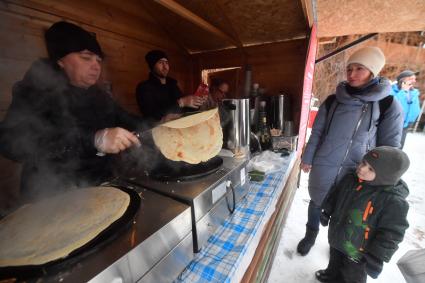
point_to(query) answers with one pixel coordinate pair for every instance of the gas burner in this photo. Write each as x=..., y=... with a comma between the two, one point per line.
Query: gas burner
x=182, y=171
x=212, y=195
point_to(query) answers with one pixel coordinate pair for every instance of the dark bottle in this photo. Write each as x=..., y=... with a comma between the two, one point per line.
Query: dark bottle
x=264, y=128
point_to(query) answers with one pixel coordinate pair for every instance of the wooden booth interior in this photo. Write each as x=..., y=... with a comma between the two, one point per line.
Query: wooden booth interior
x=196, y=35
x=219, y=36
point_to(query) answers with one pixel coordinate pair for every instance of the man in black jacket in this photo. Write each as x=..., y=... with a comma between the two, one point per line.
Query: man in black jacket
x=160, y=95
x=60, y=125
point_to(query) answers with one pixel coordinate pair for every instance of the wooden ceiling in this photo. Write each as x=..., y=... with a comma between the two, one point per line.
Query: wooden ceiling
x=344, y=17
x=204, y=25
x=201, y=26
x=195, y=26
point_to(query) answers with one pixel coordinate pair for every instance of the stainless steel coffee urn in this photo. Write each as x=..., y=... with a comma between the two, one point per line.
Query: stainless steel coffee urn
x=235, y=123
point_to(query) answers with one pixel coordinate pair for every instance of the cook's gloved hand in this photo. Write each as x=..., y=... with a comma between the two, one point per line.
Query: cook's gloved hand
x=373, y=265
x=324, y=218
x=114, y=140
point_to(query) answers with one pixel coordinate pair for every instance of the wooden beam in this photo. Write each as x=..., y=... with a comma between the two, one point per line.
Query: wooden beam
x=327, y=40
x=230, y=26
x=351, y=44
x=228, y=23
x=195, y=19
x=308, y=10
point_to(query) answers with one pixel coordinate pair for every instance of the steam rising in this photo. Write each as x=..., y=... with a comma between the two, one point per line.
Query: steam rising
x=49, y=128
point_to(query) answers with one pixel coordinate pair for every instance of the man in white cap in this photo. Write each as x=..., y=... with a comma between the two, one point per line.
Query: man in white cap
x=360, y=116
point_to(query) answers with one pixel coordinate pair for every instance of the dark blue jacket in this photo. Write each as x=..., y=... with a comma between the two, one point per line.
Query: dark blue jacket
x=340, y=138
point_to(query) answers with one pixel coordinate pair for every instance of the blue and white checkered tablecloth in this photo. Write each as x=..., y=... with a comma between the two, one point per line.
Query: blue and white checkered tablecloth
x=230, y=249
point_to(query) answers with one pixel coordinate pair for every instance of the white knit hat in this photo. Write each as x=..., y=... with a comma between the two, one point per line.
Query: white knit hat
x=370, y=57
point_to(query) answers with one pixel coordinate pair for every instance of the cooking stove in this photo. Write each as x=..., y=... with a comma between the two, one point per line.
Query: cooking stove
x=164, y=254
x=156, y=247
x=212, y=198
x=173, y=222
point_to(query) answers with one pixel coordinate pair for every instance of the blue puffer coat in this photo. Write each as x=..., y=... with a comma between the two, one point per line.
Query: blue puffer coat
x=340, y=138
x=409, y=100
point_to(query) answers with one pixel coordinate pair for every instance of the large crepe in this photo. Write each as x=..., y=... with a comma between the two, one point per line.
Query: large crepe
x=51, y=229
x=192, y=139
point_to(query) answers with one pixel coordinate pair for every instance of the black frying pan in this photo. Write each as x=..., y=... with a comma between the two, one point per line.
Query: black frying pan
x=148, y=159
x=169, y=170
x=27, y=272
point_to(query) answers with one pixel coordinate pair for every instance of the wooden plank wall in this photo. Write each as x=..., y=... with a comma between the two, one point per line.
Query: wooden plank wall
x=125, y=31
x=276, y=67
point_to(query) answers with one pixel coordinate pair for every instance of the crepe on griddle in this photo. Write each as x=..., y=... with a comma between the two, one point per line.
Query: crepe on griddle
x=192, y=139
x=53, y=228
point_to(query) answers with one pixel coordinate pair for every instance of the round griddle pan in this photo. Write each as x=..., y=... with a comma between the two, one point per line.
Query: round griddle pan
x=28, y=272
x=149, y=160
x=169, y=170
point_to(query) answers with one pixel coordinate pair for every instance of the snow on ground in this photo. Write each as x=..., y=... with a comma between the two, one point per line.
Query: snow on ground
x=290, y=267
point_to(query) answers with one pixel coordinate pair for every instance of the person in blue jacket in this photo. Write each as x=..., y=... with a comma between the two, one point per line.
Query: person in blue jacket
x=408, y=96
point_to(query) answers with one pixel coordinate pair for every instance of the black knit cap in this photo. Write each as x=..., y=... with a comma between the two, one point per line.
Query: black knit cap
x=154, y=56
x=389, y=163
x=63, y=38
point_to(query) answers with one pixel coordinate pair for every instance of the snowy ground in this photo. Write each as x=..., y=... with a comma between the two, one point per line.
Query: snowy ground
x=290, y=267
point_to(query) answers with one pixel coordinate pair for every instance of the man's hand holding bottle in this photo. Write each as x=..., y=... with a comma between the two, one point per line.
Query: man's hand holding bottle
x=192, y=101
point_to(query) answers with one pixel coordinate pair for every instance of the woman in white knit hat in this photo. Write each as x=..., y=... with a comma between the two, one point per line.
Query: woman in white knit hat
x=359, y=116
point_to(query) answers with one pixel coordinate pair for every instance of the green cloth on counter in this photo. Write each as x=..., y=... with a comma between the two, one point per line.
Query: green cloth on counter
x=256, y=176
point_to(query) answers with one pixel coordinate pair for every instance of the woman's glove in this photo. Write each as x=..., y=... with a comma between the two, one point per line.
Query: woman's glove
x=324, y=218
x=373, y=265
